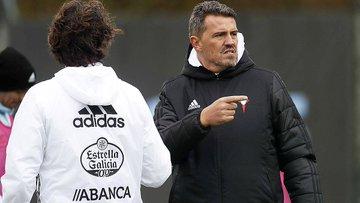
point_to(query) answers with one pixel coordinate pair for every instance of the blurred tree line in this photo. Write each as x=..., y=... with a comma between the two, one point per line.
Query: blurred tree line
x=30, y=9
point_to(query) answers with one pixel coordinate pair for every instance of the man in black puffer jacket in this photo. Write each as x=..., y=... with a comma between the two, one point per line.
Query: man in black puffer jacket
x=231, y=126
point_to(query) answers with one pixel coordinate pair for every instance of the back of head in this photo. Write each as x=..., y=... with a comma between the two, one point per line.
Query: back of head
x=16, y=72
x=81, y=33
x=200, y=11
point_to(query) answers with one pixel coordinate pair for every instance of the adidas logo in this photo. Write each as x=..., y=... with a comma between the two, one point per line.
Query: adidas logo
x=193, y=105
x=98, y=116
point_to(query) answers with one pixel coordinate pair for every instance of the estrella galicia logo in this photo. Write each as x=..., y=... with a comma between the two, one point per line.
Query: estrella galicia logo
x=102, y=159
x=98, y=116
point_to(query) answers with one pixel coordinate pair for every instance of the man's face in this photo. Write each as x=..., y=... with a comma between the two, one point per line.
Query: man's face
x=11, y=99
x=217, y=46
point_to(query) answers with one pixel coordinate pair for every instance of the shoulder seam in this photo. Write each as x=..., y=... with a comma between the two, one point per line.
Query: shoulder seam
x=171, y=80
x=265, y=70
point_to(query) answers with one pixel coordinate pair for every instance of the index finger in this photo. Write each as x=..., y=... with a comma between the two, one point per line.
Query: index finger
x=234, y=98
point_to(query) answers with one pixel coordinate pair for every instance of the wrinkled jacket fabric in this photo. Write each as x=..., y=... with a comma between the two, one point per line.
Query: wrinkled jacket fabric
x=238, y=161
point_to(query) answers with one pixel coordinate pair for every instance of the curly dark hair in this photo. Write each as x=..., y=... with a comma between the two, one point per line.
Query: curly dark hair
x=81, y=33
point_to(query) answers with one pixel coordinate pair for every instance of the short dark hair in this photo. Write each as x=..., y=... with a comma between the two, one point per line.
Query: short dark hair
x=200, y=11
x=81, y=33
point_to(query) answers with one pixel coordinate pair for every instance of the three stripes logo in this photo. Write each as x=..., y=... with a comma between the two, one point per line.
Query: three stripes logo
x=98, y=116
x=193, y=105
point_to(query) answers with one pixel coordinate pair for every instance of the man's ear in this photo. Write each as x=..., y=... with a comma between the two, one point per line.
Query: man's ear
x=195, y=42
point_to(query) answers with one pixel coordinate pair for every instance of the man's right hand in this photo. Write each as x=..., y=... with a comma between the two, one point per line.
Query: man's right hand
x=220, y=111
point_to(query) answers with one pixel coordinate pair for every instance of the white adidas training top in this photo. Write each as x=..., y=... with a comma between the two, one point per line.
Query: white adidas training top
x=89, y=135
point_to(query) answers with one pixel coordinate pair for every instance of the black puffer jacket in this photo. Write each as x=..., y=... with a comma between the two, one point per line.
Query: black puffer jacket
x=238, y=161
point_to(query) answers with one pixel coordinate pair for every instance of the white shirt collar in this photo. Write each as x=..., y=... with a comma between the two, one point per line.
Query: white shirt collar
x=5, y=114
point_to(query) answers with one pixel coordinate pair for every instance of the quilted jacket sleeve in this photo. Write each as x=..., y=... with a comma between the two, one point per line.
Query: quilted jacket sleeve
x=156, y=164
x=179, y=135
x=295, y=152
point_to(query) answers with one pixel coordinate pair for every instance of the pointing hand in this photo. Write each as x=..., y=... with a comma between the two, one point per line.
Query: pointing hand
x=220, y=111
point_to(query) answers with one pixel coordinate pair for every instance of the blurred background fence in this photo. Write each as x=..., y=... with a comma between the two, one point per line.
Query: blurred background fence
x=313, y=44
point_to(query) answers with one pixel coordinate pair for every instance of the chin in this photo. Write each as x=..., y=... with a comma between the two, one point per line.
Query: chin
x=230, y=63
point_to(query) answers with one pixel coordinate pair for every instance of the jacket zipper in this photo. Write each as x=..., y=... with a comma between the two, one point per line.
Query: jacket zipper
x=218, y=162
x=218, y=153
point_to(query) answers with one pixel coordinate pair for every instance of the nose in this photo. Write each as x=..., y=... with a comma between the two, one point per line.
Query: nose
x=229, y=40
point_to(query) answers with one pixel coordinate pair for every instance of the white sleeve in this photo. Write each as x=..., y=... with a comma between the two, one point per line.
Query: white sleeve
x=156, y=166
x=25, y=152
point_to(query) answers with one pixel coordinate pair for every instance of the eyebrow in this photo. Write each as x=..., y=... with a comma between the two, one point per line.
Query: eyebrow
x=222, y=32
